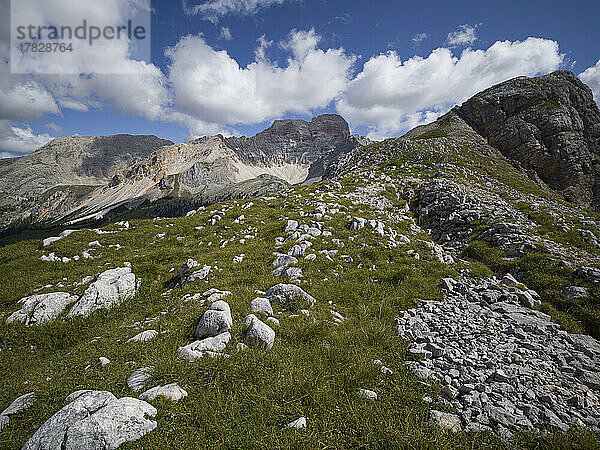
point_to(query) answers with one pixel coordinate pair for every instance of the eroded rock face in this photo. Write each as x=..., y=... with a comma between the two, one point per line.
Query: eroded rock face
x=42, y=308
x=296, y=141
x=550, y=125
x=94, y=420
x=110, y=289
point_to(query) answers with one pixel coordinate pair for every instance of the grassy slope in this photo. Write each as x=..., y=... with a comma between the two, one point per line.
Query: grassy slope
x=314, y=369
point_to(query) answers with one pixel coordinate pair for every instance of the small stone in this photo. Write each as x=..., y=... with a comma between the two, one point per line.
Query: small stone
x=205, y=347
x=144, y=336
x=139, y=377
x=299, y=423
x=171, y=391
x=261, y=305
x=104, y=361
x=272, y=321
x=367, y=394
x=445, y=421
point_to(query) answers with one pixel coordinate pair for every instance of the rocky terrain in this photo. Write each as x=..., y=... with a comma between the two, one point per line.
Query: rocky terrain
x=429, y=292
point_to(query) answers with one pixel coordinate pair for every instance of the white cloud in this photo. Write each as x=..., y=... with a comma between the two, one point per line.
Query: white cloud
x=464, y=35
x=22, y=99
x=212, y=88
x=419, y=37
x=125, y=85
x=16, y=140
x=591, y=77
x=213, y=10
x=225, y=34
x=391, y=96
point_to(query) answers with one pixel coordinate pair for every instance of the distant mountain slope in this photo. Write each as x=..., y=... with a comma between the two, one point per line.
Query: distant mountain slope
x=47, y=182
x=79, y=178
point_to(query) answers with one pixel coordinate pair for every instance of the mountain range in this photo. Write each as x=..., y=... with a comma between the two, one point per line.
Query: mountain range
x=548, y=126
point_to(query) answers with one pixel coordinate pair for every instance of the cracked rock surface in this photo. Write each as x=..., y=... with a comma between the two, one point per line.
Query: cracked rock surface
x=94, y=420
x=500, y=363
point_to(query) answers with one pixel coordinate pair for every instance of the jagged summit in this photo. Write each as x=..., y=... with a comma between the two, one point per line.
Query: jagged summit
x=548, y=126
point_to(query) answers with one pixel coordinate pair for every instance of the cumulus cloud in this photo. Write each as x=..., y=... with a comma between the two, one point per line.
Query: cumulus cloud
x=16, y=140
x=24, y=99
x=126, y=85
x=211, y=87
x=391, y=96
x=213, y=10
x=591, y=77
x=464, y=35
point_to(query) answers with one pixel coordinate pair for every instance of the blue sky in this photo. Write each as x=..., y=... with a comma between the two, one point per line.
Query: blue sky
x=234, y=66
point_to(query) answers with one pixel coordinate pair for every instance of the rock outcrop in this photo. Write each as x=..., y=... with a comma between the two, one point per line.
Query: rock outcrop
x=549, y=125
x=110, y=289
x=42, y=308
x=94, y=420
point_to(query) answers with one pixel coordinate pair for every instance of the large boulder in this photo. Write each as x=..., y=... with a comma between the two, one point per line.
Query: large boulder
x=42, y=308
x=260, y=334
x=94, y=420
x=110, y=289
x=216, y=320
x=288, y=293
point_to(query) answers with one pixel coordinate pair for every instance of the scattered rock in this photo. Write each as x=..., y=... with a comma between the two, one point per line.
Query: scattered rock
x=367, y=394
x=138, y=378
x=42, y=308
x=110, y=289
x=171, y=391
x=288, y=293
x=144, y=336
x=445, y=421
x=216, y=320
x=94, y=420
x=211, y=346
x=260, y=334
x=576, y=292
x=19, y=404
x=299, y=423
x=261, y=305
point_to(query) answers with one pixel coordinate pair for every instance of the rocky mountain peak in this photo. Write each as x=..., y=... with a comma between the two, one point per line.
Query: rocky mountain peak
x=295, y=141
x=549, y=125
